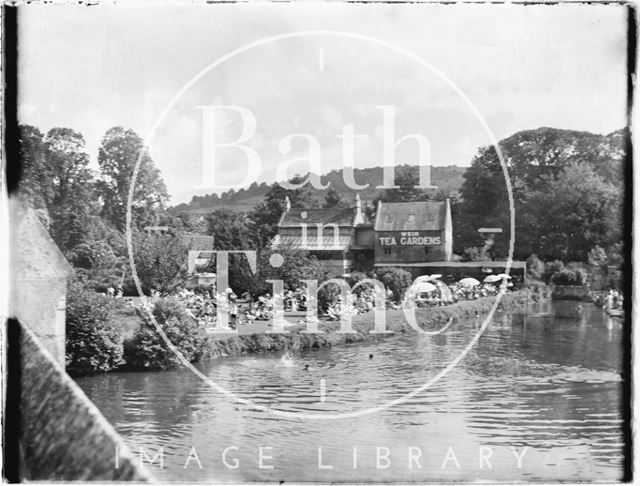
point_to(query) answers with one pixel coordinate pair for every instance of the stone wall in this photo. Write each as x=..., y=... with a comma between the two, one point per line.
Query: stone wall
x=39, y=274
x=62, y=435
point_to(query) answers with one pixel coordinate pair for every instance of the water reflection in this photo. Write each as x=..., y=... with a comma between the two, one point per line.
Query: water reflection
x=551, y=387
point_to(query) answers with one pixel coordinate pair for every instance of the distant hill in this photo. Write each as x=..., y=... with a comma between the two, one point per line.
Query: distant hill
x=448, y=179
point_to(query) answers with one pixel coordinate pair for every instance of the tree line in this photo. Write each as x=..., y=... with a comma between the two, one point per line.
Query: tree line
x=567, y=191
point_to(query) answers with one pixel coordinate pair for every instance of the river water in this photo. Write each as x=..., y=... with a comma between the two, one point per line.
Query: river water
x=535, y=399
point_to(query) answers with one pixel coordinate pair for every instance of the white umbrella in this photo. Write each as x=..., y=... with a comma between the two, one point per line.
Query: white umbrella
x=469, y=282
x=492, y=279
x=503, y=275
x=422, y=287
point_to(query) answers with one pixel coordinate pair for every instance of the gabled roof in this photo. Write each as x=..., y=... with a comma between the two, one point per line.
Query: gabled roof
x=404, y=216
x=338, y=216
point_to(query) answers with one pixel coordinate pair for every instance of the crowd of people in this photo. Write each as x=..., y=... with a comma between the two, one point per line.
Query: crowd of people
x=204, y=304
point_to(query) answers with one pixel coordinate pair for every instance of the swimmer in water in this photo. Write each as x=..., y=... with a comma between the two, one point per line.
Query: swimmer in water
x=306, y=367
x=286, y=360
x=371, y=356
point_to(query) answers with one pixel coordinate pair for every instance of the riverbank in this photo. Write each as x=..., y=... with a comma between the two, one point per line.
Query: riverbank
x=429, y=318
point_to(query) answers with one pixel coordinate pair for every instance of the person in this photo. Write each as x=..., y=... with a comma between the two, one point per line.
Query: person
x=608, y=303
x=286, y=359
x=233, y=309
x=111, y=291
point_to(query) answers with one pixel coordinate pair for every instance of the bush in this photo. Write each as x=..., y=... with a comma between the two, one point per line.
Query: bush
x=569, y=277
x=396, y=279
x=535, y=268
x=148, y=350
x=550, y=268
x=93, y=341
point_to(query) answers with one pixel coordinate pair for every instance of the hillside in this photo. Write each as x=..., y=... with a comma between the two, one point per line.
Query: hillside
x=448, y=180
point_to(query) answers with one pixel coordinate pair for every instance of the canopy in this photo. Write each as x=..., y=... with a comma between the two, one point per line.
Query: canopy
x=503, y=275
x=469, y=282
x=422, y=287
x=492, y=278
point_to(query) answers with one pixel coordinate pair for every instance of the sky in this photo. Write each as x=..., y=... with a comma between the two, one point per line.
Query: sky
x=453, y=76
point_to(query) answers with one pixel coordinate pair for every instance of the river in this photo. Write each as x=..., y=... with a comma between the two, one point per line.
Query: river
x=535, y=399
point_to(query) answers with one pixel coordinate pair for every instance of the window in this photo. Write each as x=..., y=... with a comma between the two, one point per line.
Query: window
x=387, y=251
x=427, y=250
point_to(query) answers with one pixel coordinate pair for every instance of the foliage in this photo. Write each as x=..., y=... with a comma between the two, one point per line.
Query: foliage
x=575, y=212
x=333, y=200
x=597, y=257
x=566, y=188
x=36, y=176
x=535, y=268
x=117, y=157
x=447, y=178
x=408, y=189
x=569, y=277
x=93, y=340
x=472, y=254
x=231, y=231
x=160, y=260
x=550, y=268
x=147, y=349
x=56, y=179
x=266, y=214
x=397, y=280
x=297, y=265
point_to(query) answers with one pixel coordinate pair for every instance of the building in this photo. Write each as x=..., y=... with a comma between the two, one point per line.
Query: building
x=415, y=236
x=413, y=232
x=327, y=233
x=39, y=273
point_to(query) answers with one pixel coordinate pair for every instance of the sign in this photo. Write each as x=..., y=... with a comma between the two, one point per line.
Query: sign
x=409, y=238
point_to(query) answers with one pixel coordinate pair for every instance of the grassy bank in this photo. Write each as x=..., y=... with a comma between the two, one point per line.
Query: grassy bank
x=429, y=318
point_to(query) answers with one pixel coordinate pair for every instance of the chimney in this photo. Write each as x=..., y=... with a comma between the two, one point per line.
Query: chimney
x=359, y=218
x=287, y=204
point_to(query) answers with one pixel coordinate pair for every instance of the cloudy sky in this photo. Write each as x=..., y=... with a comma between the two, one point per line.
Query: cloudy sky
x=511, y=67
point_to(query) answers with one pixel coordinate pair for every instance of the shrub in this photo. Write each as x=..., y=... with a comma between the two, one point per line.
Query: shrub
x=550, y=268
x=535, y=267
x=396, y=279
x=569, y=277
x=93, y=341
x=471, y=254
x=149, y=350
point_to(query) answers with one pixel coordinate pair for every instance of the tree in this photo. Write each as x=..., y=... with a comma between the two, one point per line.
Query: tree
x=397, y=280
x=68, y=193
x=231, y=231
x=160, y=260
x=266, y=214
x=117, y=157
x=535, y=268
x=36, y=176
x=56, y=178
x=575, y=212
x=534, y=160
x=408, y=190
x=332, y=199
